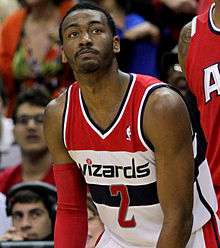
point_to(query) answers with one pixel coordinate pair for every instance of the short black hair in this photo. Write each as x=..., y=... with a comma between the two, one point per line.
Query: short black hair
x=24, y=3
x=89, y=6
x=38, y=95
x=33, y=192
x=2, y=92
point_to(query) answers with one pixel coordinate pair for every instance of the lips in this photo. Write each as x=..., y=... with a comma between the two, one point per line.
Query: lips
x=87, y=51
x=33, y=137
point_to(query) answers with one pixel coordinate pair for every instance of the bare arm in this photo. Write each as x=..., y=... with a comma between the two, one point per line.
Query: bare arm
x=71, y=187
x=183, y=6
x=53, y=131
x=145, y=29
x=183, y=44
x=167, y=126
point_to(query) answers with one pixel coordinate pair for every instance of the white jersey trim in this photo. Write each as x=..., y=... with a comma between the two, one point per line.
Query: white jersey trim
x=211, y=18
x=141, y=137
x=103, y=136
x=193, y=29
x=66, y=114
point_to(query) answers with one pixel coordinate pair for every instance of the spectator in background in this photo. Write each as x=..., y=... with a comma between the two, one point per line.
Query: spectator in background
x=199, y=56
x=29, y=49
x=172, y=73
x=28, y=131
x=7, y=7
x=4, y=220
x=139, y=38
x=9, y=150
x=32, y=207
x=95, y=226
x=171, y=16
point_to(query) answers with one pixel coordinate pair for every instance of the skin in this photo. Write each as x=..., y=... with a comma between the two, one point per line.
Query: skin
x=166, y=121
x=95, y=229
x=30, y=221
x=30, y=138
x=185, y=35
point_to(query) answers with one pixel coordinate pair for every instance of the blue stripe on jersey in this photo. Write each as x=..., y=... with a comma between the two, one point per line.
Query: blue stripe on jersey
x=141, y=195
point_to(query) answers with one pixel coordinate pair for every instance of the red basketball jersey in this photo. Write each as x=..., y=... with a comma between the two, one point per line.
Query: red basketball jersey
x=203, y=76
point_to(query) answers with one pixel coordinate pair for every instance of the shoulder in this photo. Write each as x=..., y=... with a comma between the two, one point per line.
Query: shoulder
x=163, y=102
x=165, y=116
x=184, y=40
x=15, y=17
x=53, y=119
x=10, y=171
x=9, y=177
x=55, y=108
x=133, y=19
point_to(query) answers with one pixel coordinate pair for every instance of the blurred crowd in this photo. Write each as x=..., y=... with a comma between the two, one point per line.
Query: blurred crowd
x=32, y=73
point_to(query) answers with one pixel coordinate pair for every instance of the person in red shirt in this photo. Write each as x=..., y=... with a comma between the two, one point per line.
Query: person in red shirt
x=127, y=137
x=203, y=6
x=28, y=131
x=199, y=56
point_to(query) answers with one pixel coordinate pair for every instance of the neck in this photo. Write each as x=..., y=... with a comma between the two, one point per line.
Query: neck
x=35, y=166
x=216, y=14
x=103, y=92
x=42, y=10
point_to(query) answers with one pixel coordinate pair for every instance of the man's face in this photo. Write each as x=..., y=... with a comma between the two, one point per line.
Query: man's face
x=31, y=220
x=33, y=3
x=28, y=129
x=88, y=44
x=95, y=229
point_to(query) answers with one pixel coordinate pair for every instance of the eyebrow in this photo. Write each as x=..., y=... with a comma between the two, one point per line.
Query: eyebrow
x=77, y=25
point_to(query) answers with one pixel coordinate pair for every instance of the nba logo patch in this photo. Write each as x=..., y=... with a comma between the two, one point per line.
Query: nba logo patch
x=128, y=133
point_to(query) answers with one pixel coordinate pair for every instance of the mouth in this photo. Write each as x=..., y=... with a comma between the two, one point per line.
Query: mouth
x=87, y=52
x=33, y=138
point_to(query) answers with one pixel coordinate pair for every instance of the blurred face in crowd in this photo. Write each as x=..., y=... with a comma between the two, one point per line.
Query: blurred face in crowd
x=31, y=220
x=95, y=229
x=33, y=3
x=176, y=78
x=28, y=129
x=88, y=43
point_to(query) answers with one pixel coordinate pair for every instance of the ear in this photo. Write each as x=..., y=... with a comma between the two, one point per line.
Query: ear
x=116, y=44
x=63, y=56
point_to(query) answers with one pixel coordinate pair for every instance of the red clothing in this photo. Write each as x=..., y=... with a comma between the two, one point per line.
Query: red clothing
x=203, y=6
x=203, y=76
x=13, y=175
x=10, y=38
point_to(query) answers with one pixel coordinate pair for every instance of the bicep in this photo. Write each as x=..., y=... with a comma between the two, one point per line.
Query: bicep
x=169, y=131
x=183, y=44
x=53, y=134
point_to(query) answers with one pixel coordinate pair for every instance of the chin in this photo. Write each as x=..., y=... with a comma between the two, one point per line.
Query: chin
x=35, y=150
x=89, y=67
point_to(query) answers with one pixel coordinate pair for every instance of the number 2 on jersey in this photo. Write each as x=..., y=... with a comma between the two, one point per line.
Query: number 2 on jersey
x=124, y=204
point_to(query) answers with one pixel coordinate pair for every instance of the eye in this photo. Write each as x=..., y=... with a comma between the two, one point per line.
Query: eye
x=17, y=216
x=73, y=34
x=96, y=31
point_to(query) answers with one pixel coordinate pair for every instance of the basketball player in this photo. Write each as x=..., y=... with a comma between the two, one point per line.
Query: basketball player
x=199, y=56
x=128, y=137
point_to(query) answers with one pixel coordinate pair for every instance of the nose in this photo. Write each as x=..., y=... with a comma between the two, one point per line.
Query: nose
x=31, y=123
x=85, y=39
x=25, y=223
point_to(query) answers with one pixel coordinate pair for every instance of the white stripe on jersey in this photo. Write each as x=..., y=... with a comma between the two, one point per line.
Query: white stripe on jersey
x=116, y=159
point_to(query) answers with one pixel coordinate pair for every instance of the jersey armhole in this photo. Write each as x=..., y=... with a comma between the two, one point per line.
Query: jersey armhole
x=145, y=142
x=65, y=115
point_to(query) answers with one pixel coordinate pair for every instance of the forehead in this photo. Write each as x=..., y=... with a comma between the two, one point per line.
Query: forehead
x=27, y=108
x=84, y=17
x=26, y=207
